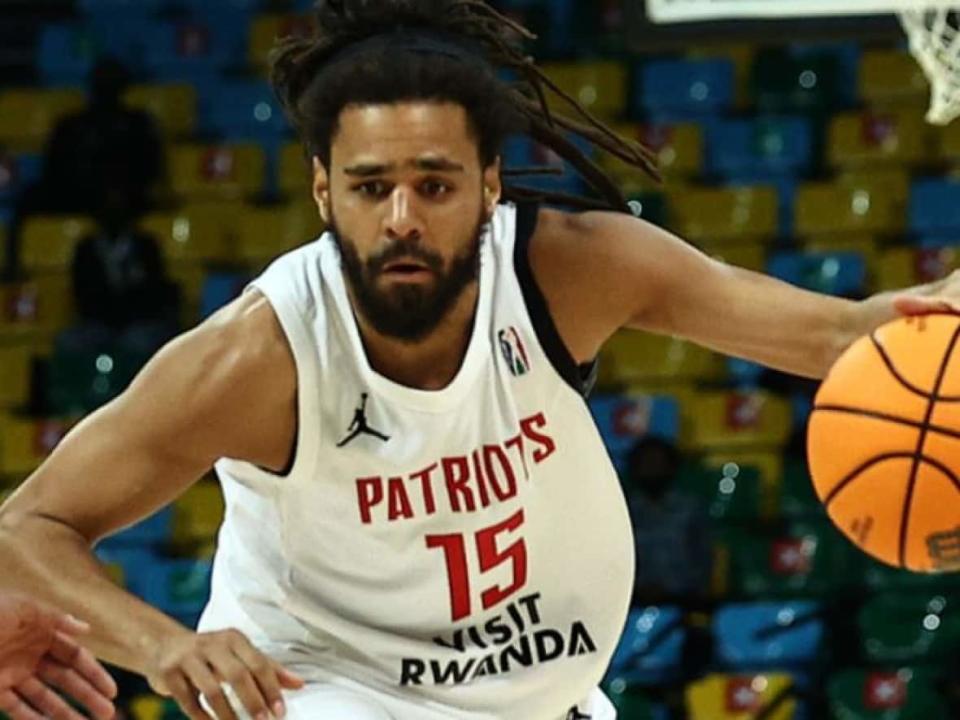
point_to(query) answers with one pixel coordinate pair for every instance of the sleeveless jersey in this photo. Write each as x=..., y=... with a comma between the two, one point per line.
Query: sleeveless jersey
x=469, y=548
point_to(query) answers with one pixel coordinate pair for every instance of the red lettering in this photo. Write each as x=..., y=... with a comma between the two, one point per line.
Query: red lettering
x=369, y=493
x=503, y=493
x=481, y=480
x=490, y=557
x=456, y=474
x=546, y=443
x=517, y=443
x=455, y=555
x=398, y=504
x=427, y=488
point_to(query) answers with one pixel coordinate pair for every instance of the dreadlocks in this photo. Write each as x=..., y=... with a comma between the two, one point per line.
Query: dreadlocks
x=314, y=88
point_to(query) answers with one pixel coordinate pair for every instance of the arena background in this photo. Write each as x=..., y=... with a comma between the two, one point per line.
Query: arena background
x=794, y=147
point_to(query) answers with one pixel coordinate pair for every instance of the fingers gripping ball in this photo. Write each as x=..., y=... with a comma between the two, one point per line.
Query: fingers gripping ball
x=884, y=443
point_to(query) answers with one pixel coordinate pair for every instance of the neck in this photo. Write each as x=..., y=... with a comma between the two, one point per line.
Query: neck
x=428, y=364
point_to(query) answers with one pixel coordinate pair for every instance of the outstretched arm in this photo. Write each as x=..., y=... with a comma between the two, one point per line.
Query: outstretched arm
x=606, y=271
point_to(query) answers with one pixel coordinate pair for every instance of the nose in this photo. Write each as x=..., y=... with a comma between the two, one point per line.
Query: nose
x=403, y=222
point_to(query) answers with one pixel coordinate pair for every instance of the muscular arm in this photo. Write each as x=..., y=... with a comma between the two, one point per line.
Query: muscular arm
x=604, y=271
x=227, y=388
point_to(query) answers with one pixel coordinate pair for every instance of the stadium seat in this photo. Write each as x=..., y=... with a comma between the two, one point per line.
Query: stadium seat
x=863, y=245
x=650, y=651
x=750, y=256
x=632, y=704
x=144, y=7
x=189, y=48
x=242, y=110
x=934, y=206
x=199, y=233
x=892, y=78
x=730, y=493
x=25, y=442
x=892, y=137
x=225, y=172
x=764, y=465
x=683, y=89
x=65, y=54
x=266, y=233
x=742, y=55
x=741, y=697
x=15, y=369
x=774, y=145
x=149, y=535
x=172, y=106
x=17, y=172
x=624, y=419
x=737, y=420
x=49, y=241
x=679, y=150
x=179, y=587
x=198, y=513
x=220, y=287
x=79, y=382
x=883, y=578
x=774, y=635
x=880, y=694
x=189, y=278
x=600, y=87
x=27, y=116
x=783, y=83
x=908, y=266
x=295, y=173
x=914, y=627
x=716, y=216
x=798, y=499
x=266, y=29
x=839, y=273
x=844, y=208
x=520, y=151
x=630, y=357
x=948, y=142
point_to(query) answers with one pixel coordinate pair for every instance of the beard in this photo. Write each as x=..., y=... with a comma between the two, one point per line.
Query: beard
x=408, y=312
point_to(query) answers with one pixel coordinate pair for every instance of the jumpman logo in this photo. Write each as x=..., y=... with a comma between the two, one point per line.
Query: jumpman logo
x=575, y=714
x=359, y=425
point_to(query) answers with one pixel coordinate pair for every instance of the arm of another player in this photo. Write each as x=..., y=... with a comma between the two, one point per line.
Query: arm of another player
x=227, y=388
x=651, y=280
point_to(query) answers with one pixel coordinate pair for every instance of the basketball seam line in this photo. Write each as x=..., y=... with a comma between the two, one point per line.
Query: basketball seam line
x=918, y=453
x=888, y=361
x=855, y=473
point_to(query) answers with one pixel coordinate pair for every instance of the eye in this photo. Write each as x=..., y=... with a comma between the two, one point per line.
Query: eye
x=435, y=188
x=372, y=188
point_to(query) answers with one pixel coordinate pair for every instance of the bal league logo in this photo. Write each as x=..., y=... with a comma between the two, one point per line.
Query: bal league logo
x=514, y=351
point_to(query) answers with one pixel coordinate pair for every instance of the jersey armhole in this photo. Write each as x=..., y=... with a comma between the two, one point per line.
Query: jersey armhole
x=579, y=377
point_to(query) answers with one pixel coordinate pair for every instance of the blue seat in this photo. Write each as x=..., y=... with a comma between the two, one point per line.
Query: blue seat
x=219, y=288
x=786, y=187
x=624, y=419
x=650, y=651
x=773, y=145
x=122, y=36
x=65, y=54
x=934, y=206
x=187, y=50
x=178, y=587
x=677, y=90
x=150, y=532
x=835, y=273
x=758, y=636
x=846, y=56
x=210, y=8
x=108, y=7
x=520, y=151
x=242, y=110
x=16, y=173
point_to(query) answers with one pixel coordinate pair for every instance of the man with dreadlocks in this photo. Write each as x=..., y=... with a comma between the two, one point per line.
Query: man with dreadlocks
x=422, y=521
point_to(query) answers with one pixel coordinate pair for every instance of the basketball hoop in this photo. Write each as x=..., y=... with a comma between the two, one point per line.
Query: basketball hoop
x=935, y=43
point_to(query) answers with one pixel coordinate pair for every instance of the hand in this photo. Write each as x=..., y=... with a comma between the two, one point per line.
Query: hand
x=942, y=296
x=38, y=653
x=199, y=664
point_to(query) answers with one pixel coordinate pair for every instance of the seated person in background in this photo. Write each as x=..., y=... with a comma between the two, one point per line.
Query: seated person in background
x=674, y=558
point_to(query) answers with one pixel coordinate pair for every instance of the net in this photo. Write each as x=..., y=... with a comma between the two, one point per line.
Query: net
x=932, y=27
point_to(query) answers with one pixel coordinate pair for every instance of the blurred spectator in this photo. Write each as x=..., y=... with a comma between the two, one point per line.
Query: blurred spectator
x=105, y=160
x=671, y=529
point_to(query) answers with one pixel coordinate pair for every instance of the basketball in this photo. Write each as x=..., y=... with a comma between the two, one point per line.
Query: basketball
x=884, y=443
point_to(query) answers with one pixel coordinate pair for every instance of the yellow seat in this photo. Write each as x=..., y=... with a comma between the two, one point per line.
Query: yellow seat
x=739, y=697
x=217, y=172
x=751, y=256
x=892, y=78
x=190, y=278
x=49, y=241
x=28, y=116
x=843, y=208
x=715, y=216
x=15, y=369
x=895, y=137
x=679, y=151
x=909, y=266
x=267, y=29
x=738, y=420
x=173, y=107
x=198, y=233
x=864, y=245
x=600, y=87
x=268, y=232
x=295, y=174
x=632, y=357
x=147, y=707
x=25, y=442
x=198, y=513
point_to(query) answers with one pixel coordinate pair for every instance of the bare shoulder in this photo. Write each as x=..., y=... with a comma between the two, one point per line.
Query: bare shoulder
x=582, y=263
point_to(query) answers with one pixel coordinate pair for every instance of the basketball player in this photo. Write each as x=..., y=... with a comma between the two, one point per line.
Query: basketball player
x=38, y=655
x=422, y=521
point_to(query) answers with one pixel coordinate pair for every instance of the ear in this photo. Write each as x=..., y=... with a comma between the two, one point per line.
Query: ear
x=492, y=187
x=321, y=189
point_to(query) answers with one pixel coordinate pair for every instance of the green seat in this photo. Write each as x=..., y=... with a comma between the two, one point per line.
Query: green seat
x=631, y=702
x=915, y=627
x=798, y=499
x=782, y=83
x=881, y=577
x=654, y=207
x=80, y=382
x=730, y=493
x=905, y=694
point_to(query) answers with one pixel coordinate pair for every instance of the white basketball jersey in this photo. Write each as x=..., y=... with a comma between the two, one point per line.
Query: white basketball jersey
x=469, y=548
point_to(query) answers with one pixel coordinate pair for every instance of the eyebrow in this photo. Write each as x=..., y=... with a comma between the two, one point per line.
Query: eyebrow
x=430, y=164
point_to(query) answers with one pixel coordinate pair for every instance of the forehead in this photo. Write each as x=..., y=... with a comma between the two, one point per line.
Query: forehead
x=396, y=132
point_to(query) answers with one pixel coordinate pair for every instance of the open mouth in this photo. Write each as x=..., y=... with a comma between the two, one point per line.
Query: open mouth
x=406, y=268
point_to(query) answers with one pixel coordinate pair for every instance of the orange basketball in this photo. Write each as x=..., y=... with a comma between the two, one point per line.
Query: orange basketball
x=884, y=443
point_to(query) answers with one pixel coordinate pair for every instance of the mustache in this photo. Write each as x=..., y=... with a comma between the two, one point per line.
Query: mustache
x=404, y=249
